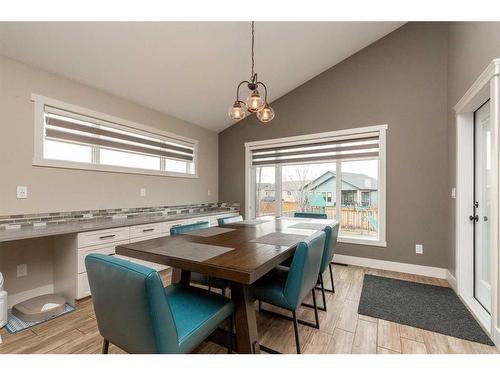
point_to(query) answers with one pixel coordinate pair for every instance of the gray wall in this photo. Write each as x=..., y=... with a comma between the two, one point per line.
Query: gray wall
x=54, y=189
x=472, y=46
x=399, y=80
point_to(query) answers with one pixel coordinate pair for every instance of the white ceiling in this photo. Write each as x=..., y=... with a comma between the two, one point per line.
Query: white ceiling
x=187, y=69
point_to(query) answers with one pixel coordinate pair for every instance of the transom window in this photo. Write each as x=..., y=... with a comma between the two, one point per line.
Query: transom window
x=341, y=174
x=67, y=136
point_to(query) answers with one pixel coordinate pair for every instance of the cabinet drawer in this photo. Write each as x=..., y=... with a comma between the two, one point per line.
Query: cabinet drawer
x=106, y=250
x=103, y=236
x=138, y=231
x=82, y=286
x=165, y=226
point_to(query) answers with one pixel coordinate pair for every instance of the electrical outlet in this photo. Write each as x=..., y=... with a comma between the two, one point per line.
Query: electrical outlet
x=209, y=192
x=22, y=192
x=453, y=193
x=419, y=249
x=143, y=192
x=22, y=270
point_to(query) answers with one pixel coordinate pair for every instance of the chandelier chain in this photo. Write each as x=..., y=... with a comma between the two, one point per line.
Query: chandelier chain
x=253, y=42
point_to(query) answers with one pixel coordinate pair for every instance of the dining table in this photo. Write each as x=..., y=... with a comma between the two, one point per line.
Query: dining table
x=240, y=252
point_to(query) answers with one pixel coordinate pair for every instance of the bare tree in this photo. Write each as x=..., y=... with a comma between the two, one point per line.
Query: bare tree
x=258, y=190
x=298, y=177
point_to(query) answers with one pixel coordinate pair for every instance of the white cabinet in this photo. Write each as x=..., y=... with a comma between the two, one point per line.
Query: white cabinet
x=100, y=237
x=82, y=286
x=105, y=242
x=147, y=230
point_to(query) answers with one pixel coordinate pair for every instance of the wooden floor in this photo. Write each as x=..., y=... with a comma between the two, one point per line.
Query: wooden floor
x=342, y=329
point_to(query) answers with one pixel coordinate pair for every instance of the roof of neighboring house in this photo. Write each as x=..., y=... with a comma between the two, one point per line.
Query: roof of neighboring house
x=358, y=180
x=285, y=185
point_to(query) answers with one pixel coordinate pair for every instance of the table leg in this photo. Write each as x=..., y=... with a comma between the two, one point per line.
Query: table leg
x=180, y=276
x=247, y=338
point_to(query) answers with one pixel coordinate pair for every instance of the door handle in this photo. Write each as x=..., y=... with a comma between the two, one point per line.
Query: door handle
x=474, y=218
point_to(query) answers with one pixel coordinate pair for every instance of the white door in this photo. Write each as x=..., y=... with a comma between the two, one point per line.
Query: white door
x=482, y=206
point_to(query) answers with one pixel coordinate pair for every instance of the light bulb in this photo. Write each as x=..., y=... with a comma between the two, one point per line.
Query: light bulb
x=237, y=111
x=266, y=114
x=254, y=101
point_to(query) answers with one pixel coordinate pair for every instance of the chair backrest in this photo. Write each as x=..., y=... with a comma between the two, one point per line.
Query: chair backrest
x=130, y=305
x=229, y=220
x=180, y=229
x=304, y=269
x=332, y=234
x=311, y=215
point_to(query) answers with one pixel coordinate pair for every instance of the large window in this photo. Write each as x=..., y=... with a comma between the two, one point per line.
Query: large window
x=71, y=137
x=341, y=174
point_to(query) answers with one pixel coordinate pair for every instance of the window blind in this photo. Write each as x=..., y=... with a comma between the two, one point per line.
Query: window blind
x=361, y=146
x=68, y=127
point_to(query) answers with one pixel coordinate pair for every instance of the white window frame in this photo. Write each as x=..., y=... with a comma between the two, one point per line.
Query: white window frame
x=38, y=159
x=288, y=141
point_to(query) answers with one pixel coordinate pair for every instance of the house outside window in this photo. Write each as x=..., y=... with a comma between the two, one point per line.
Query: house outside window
x=359, y=181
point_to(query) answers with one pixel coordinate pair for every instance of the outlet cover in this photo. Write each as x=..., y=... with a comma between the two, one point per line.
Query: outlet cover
x=22, y=270
x=143, y=192
x=22, y=192
x=453, y=193
x=419, y=249
x=209, y=192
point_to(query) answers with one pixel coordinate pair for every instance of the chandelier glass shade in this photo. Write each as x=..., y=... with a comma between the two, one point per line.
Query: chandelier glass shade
x=255, y=103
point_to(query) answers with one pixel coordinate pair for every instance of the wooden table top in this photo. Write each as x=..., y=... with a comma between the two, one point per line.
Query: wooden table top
x=244, y=262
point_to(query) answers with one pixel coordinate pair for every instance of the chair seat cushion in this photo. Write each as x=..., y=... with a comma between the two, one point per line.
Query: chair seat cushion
x=271, y=287
x=196, y=313
x=215, y=282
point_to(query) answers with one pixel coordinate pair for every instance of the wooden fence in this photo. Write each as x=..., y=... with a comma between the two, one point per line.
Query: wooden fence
x=354, y=219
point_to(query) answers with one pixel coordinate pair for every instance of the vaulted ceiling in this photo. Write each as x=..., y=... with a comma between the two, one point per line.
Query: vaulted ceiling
x=187, y=69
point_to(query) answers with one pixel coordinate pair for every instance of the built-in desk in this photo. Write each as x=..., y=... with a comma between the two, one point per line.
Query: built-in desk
x=73, y=241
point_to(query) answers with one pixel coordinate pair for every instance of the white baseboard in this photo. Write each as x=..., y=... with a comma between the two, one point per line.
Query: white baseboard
x=22, y=296
x=451, y=280
x=415, y=269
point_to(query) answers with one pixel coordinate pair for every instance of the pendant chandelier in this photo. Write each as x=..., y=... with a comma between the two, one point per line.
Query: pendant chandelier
x=254, y=102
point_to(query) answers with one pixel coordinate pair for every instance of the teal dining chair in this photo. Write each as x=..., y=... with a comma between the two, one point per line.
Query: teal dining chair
x=198, y=278
x=229, y=220
x=310, y=215
x=287, y=287
x=331, y=237
x=136, y=313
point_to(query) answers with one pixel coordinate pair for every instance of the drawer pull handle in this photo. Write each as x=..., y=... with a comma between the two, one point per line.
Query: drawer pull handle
x=108, y=236
x=148, y=230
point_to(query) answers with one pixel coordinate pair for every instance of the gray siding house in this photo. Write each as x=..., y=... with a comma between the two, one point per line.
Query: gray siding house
x=357, y=189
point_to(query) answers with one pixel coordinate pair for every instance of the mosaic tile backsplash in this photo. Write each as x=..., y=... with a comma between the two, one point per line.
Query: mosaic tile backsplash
x=110, y=214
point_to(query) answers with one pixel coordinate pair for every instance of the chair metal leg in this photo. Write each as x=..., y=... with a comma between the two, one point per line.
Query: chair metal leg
x=296, y=330
x=279, y=315
x=323, y=291
x=322, y=288
x=105, y=346
x=316, y=307
x=331, y=277
x=230, y=334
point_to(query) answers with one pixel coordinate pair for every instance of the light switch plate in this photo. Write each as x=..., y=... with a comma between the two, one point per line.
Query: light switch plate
x=22, y=192
x=453, y=192
x=419, y=248
x=143, y=192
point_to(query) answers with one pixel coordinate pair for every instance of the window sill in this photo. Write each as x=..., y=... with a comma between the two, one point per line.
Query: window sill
x=362, y=241
x=105, y=168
